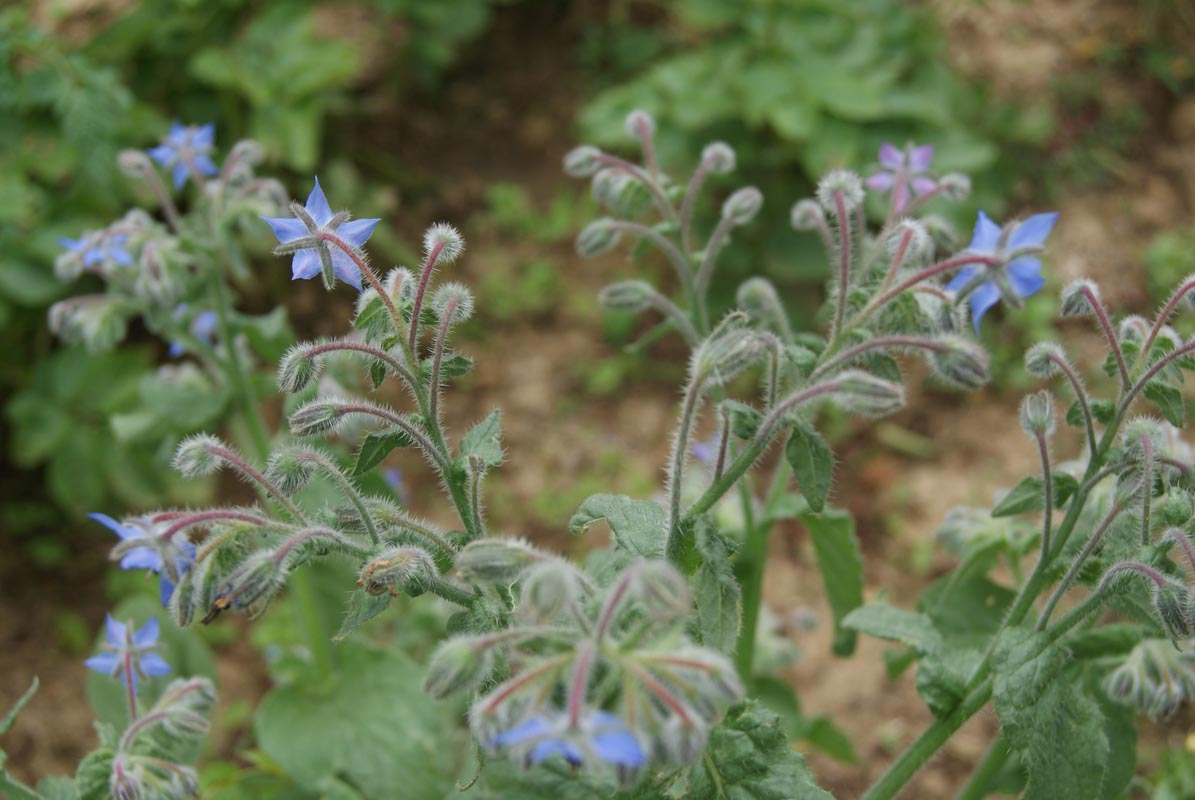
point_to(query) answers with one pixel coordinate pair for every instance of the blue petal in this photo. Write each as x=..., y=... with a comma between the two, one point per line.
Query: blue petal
x=204, y=325
x=204, y=137
x=619, y=747
x=165, y=590
x=93, y=256
x=553, y=747
x=346, y=270
x=317, y=205
x=163, y=154
x=287, y=229
x=123, y=531
x=176, y=349
x=120, y=256
x=963, y=277
x=357, y=231
x=986, y=235
x=142, y=558
x=114, y=632
x=205, y=165
x=982, y=299
x=178, y=175
x=304, y=265
x=148, y=633
x=70, y=244
x=104, y=662
x=178, y=133
x=188, y=551
x=153, y=665
x=1032, y=231
x=531, y=729
x=1025, y=276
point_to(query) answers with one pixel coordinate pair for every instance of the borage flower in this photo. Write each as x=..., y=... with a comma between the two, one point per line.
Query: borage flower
x=186, y=151
x=1017, y=274
x=904, y=171
x=98, y=248
x=203, y=329
x=599, y=735
x=140, y=548
x=129, y=654
x=306, y=263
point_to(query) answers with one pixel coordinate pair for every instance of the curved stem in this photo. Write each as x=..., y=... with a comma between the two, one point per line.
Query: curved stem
x=1101, y=314
x=679, y=263
x=705, y=272
x=251, y=472
x=425, y=275
x=1076, y=565
x=1152, y=372
x=669, y=309
x=1080, y=397
x=680, y=446
x=343, y=345
x=332, y=470
x=369, y=275
x=844, y=265
x=438, y=459
x=962, y=260
x=1163, y=317
x=438, y=358
x=686, y=206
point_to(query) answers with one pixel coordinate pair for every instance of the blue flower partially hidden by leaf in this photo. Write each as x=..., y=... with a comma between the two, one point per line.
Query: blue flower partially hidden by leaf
x=1018, y=275
x=146, y=552
x=100, y=247
x=129, y=654
x=203, y=329
x=600, y=735
x=306, y=262
x=186, y=150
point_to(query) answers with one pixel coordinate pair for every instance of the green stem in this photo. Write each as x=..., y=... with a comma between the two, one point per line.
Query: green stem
x=309, y=620
x=750, y=568
x=981, y=778
x=680, y=448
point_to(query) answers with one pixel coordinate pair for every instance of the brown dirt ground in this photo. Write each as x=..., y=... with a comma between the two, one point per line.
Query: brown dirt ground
x=522, y=102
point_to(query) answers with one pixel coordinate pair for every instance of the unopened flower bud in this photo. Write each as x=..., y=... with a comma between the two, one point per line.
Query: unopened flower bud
x=251, y=586
x=722, y=357
x=954, y=186
x=742, y=206
x=844, y=183
x=399, y=570
x=1172, y=602
x=454, y=296
x=446, y=239
x=196, y=456
x=597, y=237
x=399, y=284
x=759, y=298
x=1037, y=414
x=1043, y=359
x=296, y=370
x=863, y=393
x=458, y=665
x=915, y=240
x=247, y=152
x=662, y=591
x=134, y=163
x=498, y=561
x=315, y=417
x=807, y=215
x=962, y=362
x=548, y=589
x=683, y=741
x=291, y=469
x=1139, y=428
x=630, y=296
x=1132, y=328
x=583, y=161
x=1075, y=302
x=619, y=191
x=640, y=125
x=718, y=158
x=1167, y=340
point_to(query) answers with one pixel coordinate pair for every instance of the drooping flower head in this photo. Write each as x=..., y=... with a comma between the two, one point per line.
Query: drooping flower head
x=185, y=151
x=93, y=251
x=129, y=654
x=1018, y=272
x=599, y=736
x=141, y=548
x=202, y=328
x=905, y=173
x=306, y=262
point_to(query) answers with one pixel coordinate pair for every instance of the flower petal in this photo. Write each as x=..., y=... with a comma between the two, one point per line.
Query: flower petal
x=357, y=231
x=175, y=350
x=70, y=244
x=523, y=732
x=163, y=154
x=205, y=136
x=923, y=185
x=287, y=229
x=556, y=747
x=921, y=157
x=205, y=165
x=963, y=277
x=165, y=590
x=987, y=233
x=982, y=299
x=178, y=175
x=317, y=205
x=142, y=558
x=123, y=531
x=620, y=748
x=178, y=133
x=881, y=181
x=1033, y=231
x=304, y=265
x=1025, y=276
x=346, y=270
x=115, y=632
x=120, y=256
x=153, y=665
x=148, y=633
x=891, y=156
x=104, y=662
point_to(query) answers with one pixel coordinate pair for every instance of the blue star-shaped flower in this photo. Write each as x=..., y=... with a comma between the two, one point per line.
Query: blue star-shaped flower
x=203, y=328
x=147, y=553
x=185, y=149
x=1012, y=245
x=129, y=654
x=99, y=247
x=600, y=735
x=306, y=262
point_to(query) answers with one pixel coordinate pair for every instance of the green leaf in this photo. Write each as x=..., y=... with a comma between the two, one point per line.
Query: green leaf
x=377, y=446
x=638, y=526
x=1103, y=411
x=1057, y=728
x=552, y=779
x=94, y=775
x=896, y=625
x=1169, y=400
x=744, y=419
x=455, y=366
x=362, y=607
x=369, y=724
x=483, y=440
x=11, y=717
x=812, y=461
x=749, y=758
x=1027, y=497
x=841, y=566
x=715, y=590
x=1106, y=640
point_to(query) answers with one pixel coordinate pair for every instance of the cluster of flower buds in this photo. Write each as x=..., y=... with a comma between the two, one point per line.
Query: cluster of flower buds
x=1156, y=678
x=603, y=678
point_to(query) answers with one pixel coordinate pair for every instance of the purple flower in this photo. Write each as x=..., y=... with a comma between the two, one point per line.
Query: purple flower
x=140, y=548
x=707, y=452
x=600, y=735
x=902, y=171
x=186, y=149
x=203, y=328
x=129, y=654
x=306, y=262
x=100, y=247
x=1019, y=272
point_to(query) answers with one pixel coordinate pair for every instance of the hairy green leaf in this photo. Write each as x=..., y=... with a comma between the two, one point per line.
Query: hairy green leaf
x=484, y=440
x=841, y=566
x=812, y=462
x=638, y=526
x=715, y=590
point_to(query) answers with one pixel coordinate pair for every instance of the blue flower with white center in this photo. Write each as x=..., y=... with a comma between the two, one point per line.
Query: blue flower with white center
x=139, y=548
x=129, y=654
x=306, y=261
x=600, y=735
x=203, y=328
x=1015, y=246
x=185, y=151
x=98, y=248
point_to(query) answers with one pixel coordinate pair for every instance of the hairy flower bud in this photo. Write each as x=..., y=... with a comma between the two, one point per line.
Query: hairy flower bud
x=251, y=586
x=863, y=393
x=548, y=589
x=458, y=665
x=915, y=239
x=399, y=284
x=583, y=161
x=759, y=298
x=742, y=206
x=721, y=357
x=954, y=186
x=1133, y=328
x=807, y=215
x=840, y=182
x=631, y=296
x=1043, y=359
x=718, y=158
x=195, y=458
x=297, y=370
x=447, y=239
x=458, y=297
x=1172, y=602
x=94, y=321
x=315, y=417
x=498, y=561
x=640, y=125
x=682, y=741
x=1075, y=302
x=597, y=237
x=134, y=163
x=399, y=570
x=619, y=191
x=291, y=469
x=962, y=362
x=1037, y=414
x=1139, y=428
x=662, y=591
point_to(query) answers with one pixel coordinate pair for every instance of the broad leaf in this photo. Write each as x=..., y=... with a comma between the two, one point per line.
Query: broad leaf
x=377, y=446
x=638, y=526
x=841, y=566
x=715, y=590
x=1028, y=497
x=812, y=462
x=1169, y=400
x=483, y=440
x=362, y=607
x=895, y=624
